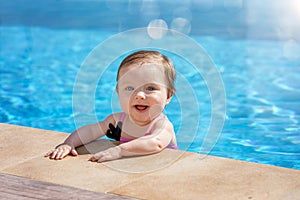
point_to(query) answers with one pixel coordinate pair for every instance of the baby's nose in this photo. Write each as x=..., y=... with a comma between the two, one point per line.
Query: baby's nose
x=140, y=95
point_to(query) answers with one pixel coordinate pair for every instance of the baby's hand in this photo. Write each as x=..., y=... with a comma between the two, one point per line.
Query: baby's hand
x=109, y=154
x=61, y=151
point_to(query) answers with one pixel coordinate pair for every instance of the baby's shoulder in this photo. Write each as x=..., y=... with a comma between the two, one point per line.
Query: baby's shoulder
x=163, y=122
x=113, y=118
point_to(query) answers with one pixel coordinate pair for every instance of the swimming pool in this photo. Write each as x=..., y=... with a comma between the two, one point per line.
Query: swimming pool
x=40, y=59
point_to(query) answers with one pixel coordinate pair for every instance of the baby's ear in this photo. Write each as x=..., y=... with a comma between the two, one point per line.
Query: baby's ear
x=169, y=98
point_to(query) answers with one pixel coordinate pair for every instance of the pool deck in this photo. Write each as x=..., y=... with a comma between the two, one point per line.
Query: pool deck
x=171, y=174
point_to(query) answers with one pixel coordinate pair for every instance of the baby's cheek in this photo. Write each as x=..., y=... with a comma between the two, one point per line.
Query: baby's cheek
x=124, y=103
x=155, y=111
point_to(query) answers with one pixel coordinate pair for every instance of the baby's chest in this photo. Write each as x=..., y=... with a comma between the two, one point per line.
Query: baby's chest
x=132, y=135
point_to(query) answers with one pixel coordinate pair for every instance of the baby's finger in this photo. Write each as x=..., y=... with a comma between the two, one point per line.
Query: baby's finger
x=60, y=155
x=105, y=158
x=102, y=159
x=54, y=154
x=49, y=153
x=74, y=152
x=65, y=153
x=95, y=158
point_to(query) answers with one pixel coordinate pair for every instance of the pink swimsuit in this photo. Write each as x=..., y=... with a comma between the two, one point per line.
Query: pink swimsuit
x=123, y=139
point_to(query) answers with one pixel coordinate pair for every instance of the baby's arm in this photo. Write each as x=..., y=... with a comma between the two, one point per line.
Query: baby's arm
x=79, y=137
x=154, y=143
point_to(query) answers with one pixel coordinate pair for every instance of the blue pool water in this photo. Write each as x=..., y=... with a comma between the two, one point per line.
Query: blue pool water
x=39, y=65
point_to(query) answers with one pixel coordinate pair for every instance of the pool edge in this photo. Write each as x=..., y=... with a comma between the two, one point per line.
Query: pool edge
x=189, y=176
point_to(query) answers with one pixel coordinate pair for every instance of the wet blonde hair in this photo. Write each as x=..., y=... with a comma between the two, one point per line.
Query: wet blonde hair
x=146, y=56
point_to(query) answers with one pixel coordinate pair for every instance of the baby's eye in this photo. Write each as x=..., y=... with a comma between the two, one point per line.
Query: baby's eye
x=129, y=88
x=150, y=88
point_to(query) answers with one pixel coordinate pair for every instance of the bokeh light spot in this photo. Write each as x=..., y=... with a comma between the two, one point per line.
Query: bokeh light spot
x=157, y=29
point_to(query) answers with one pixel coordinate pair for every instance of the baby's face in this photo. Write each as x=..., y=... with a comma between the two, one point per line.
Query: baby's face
x=142, y=92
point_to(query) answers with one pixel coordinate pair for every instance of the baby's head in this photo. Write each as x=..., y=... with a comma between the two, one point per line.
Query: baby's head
x=145, y=85
x=152, y=57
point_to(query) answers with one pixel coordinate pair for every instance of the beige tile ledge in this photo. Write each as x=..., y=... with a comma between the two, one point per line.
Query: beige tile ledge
x=19, y=144
x=167, y=175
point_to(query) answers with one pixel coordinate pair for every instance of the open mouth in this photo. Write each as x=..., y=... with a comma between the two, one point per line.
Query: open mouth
x=141, y=107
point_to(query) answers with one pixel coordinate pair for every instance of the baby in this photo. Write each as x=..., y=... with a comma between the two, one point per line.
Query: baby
x=145, y=85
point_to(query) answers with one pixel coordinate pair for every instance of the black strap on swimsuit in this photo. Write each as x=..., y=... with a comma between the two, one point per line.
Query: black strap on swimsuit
x=114, y=132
